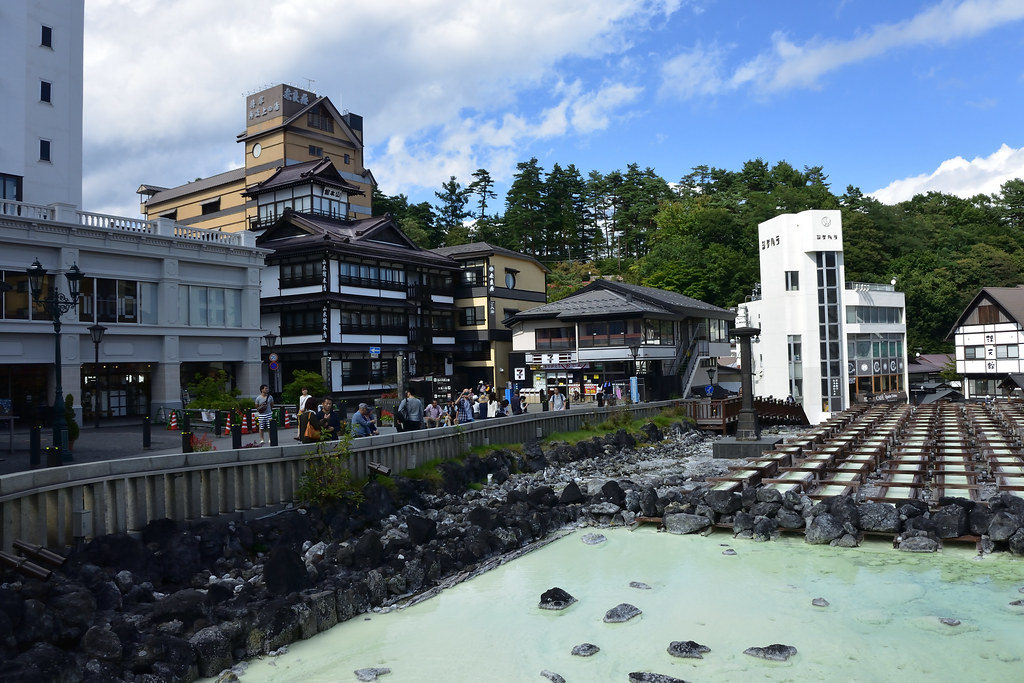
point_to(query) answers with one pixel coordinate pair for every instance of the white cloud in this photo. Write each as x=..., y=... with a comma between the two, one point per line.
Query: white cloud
x=957, y=176
x=789, y=65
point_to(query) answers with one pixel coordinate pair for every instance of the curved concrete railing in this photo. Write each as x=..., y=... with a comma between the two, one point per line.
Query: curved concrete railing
x=56, y=506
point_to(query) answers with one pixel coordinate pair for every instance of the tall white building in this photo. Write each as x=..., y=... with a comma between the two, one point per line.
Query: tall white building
x=827, y=342
x=41, y=96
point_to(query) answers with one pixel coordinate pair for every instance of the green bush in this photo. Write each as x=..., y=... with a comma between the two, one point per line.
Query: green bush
x=212, y=393
x=327, y=479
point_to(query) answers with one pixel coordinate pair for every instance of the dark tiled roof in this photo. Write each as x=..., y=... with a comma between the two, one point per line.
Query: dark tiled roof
x=479, y=249
x=200, y=185
x=320, y=171
x=607, y=299
x=377, y=237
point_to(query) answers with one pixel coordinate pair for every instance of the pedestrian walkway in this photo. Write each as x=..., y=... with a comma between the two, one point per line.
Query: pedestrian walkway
x=119, y=438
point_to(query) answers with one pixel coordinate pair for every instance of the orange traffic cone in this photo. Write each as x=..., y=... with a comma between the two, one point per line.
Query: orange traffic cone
x=227, y=426
x=245, y=423
x=287, y=419
x=173, y=424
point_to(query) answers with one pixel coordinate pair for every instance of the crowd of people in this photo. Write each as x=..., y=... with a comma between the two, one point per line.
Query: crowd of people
x=320, y=420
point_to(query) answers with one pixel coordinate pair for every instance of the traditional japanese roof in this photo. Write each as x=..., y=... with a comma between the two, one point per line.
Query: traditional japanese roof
x=318, y=172
x=483, y=249
x=378, y=238
x=609, y=299
x=199, y=185
x=1009, y=299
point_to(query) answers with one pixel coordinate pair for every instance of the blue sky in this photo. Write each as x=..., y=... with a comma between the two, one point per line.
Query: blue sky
x=895, y=98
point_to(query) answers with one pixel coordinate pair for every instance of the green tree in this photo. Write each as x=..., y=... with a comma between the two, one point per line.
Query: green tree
x=524, y=221
x=303, y=378
x=452, y=212
x=482, y=186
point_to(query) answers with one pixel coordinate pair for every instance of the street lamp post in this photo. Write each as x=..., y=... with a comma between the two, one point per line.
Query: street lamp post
x=271, y=340
x=56, y=304
x=96, y=332
x=711, y=376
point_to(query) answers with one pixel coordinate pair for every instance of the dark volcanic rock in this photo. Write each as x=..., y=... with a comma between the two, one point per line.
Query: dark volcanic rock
x=822, y=529
x=879, y=517
x=585, y=650
x=284, y=571
x=951, y=521
x=649, y=677
x=421, y=529
x=683, y=523
x=765, y=528
x=1003, y=525
x=775, y=652
x=621, y=613
x=723, y=502
x=101, y=643
x=556, y=599
x=552, y=676
x=687, y=649
x=571, y=494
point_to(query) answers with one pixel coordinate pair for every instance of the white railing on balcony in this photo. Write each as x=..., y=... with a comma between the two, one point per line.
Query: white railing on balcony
x=164, y=227
x=870, y=287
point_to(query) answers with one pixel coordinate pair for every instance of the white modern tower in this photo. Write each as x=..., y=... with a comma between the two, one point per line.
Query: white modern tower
x=825, y=341
x=41, y=92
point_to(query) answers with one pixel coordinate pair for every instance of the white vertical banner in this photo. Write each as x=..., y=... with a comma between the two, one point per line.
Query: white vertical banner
x=634, y=390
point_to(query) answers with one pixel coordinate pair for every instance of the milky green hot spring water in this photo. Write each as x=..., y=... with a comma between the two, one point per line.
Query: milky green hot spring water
x=882, y=622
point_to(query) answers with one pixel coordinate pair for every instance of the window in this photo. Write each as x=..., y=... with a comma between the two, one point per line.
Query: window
x=301, y=274
x=10, y=187
x=301, y=322
x=874, y=314
x=361, y=371
x=473, y=272
x=106, y=300
x=510, y=278
x=212, y=206
x=44, y=150
x=173, y=215
x=556, y=338
x=46, y=38
x=792, y=280
x=348, y=160
x=375, y=323
x=44, y=91
x=474, y=315
x=371, y=276
x=209, y=306
x=315, y=151
x=1006, y=351
x=319, y=118
x=974, y=352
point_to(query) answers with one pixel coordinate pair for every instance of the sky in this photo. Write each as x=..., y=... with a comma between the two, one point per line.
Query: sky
x=895, y=98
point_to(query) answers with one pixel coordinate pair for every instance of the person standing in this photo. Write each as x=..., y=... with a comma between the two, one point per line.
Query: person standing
x=557, y=400
x=464, y=408
x=264, y=412
x=305, y=405
x=516, y=403
x=411, y=410
x=363, y=423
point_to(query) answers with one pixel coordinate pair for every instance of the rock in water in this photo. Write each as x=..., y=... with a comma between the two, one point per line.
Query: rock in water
x=552, y=676
x=639, y=584
x=555, y=598
x=620, y=613
x=585, y=650
x=593, y=539
x=687, y=649
x=949, y=621
x=371, y=674
x=775, y=652
x=819, y=602
x=648, y=677
x=729, y=551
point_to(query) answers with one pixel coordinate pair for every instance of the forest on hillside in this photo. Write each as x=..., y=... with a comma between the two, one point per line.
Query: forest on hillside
x=698, y=235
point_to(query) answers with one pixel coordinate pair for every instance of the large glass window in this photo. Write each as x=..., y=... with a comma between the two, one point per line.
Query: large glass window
x=209, y=306
x=10, y=187
x=374, y=322
x=16, y=304
x=612, y=333
x=1006, y=351
x=363, y=371
x=371, y=276
x=974, y=352
x=792, y=280
x=874, y=314
x=301, y=322
x=473, y=272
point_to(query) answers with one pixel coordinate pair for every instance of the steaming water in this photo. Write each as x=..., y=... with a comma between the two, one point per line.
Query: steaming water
x=882, y=623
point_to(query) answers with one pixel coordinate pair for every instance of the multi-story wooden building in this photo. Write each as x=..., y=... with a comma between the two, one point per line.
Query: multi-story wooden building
x=609, y=332
x=988, y=336
x=494, y=284
x=354, y=300
x=284, y=126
